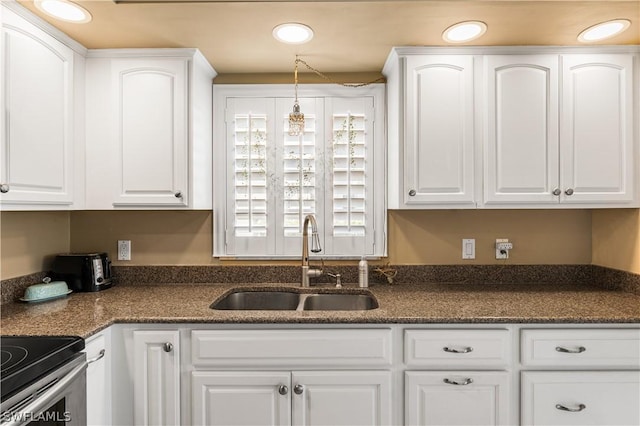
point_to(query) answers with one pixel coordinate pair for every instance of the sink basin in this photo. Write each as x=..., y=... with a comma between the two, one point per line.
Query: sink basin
x=252, y=300
x=259, y=300
x=340, y=302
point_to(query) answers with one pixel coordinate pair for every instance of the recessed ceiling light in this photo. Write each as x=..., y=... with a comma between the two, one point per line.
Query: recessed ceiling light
x=64, y=10
x=464, y=31
x=293, y=33
x=604, y=30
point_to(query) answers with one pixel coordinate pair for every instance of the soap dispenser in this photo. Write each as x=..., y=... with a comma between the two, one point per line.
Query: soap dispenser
x=363, y=273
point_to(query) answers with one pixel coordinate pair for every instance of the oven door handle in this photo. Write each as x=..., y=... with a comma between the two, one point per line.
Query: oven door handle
x=47, y=398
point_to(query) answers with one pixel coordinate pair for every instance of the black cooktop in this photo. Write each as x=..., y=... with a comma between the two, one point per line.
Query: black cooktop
x=25, y=358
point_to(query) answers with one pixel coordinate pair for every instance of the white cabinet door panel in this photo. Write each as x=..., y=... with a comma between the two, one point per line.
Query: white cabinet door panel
x=240, y=398
x=597, y=128
x=581, y=398
x=439, y=131
x=457, y=398
x=156, y=382
x=151, y=105
x=37, y=139
x=521, y=159
x=347, y=398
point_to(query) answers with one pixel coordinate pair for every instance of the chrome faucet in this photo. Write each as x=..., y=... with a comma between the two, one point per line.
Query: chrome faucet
x=315, y=248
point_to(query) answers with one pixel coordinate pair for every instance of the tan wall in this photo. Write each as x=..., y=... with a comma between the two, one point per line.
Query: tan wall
x=616, y=239
x=538, y=236
x=29, y=240
x=157, y=237
x=415, y=237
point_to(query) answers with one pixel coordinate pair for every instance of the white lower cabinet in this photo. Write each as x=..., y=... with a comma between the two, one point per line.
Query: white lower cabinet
x=223, y=398
x=580, y=398
x=98, y=351
x=457, y=398
x=284, y=398
x=367, y=374
x=156, y=377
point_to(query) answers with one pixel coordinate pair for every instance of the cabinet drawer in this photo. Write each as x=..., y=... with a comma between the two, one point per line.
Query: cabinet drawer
x=580, y=398
x=581, y=348
x=457, y=348
x=291, y=348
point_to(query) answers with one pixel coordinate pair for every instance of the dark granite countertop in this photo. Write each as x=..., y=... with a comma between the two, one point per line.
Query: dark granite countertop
x=84, y=314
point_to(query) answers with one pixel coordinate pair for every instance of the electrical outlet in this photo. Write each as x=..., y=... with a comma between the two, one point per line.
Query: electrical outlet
x=468, y=248
x=124, y=249
x=502, y=248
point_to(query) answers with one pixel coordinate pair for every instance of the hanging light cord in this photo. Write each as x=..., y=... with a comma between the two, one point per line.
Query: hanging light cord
x=295, y=78
x=329, y=79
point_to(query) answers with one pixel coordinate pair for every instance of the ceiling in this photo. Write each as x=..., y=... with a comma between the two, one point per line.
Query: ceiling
x=350, y=36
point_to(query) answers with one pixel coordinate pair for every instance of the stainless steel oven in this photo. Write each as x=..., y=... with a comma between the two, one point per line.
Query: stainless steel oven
x=43, y=381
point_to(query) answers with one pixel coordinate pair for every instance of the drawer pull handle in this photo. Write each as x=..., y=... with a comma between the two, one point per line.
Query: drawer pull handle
x=573, y=410
x=283, y=390
x=298, y=389
x=571, y=351
x=167, y=347
x=466, y=381
x=97, y=357
x=458, y=351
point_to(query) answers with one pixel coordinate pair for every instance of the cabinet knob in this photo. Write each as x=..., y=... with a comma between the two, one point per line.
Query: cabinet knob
x=466, y=381
x=298, y=389
x=412, y=193
x=168, y=347
x=178, y=194
x=569, y=191
x=283, y=390
x=556, y=192
x=579, y=408
x=4, y=188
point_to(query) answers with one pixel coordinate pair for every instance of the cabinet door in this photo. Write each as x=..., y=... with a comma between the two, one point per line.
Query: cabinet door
x=439, y=131
x=240, y=398
x=150, y=97
x=37, y=136
x=98, y=381
x=156, y=377
x=336, y=398
x=521, y=151
x=456, y=398
x=597, y=129
x=581, y=398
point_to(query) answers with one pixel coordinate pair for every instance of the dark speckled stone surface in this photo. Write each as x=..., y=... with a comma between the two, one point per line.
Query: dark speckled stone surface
x=418, y=303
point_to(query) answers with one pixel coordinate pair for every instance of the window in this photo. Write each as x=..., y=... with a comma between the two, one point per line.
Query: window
x=266, y=181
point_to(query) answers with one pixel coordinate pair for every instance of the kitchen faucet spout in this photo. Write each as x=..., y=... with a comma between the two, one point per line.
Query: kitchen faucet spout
x=315, y=248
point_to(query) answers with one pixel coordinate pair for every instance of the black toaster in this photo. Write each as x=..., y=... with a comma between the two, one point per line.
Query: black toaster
x=83, y=271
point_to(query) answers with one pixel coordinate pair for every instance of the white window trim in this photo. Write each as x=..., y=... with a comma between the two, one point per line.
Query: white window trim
x=223, y=91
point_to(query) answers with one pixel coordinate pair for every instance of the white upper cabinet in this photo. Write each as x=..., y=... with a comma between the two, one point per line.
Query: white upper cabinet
x=150, y=102
x=559, y=130
x=597, y=152
x=521, y=129
x=526, y=127
x=149, y=115
x=431, y=131
x=40, y=74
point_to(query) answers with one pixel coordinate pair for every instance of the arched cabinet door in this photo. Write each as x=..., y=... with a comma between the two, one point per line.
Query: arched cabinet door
x=521, y=125
x=439, y=131
x=151, y=111
x=36, y=155
x=596, y=130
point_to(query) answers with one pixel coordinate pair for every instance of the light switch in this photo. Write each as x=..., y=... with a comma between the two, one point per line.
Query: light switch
x=469, y=248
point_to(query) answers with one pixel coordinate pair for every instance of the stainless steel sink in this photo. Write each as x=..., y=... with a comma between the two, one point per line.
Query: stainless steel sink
x=340, y=302
x=251, y=300
x=259, y=300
